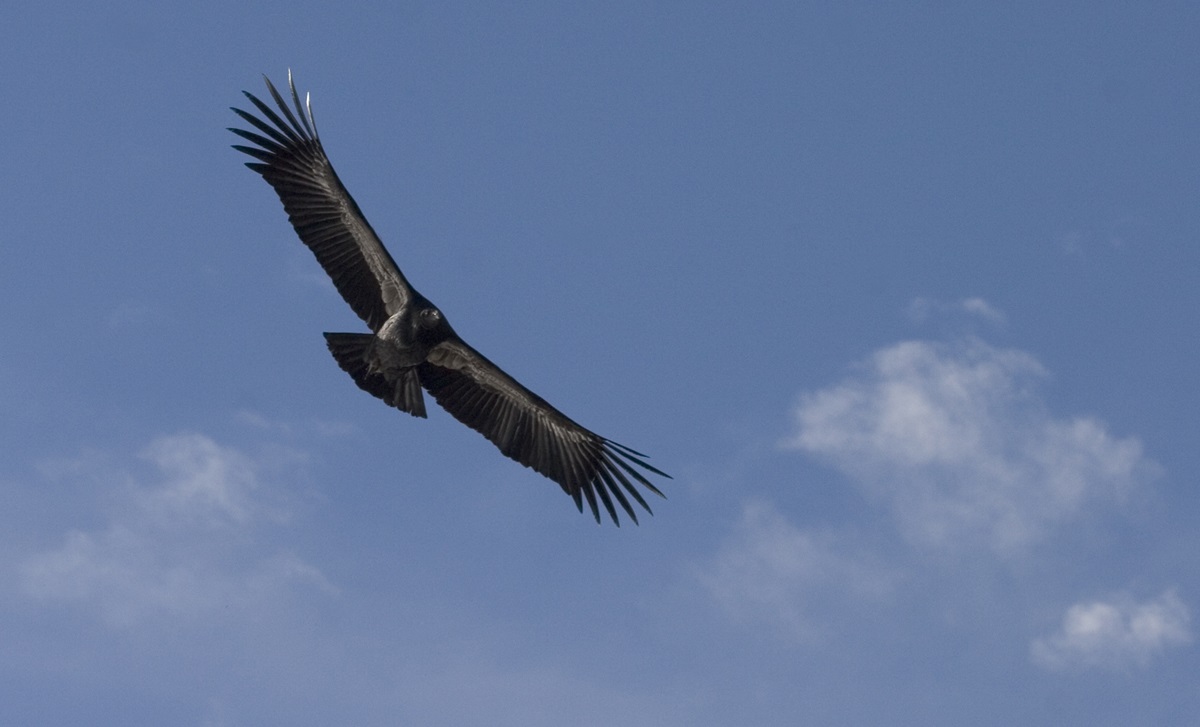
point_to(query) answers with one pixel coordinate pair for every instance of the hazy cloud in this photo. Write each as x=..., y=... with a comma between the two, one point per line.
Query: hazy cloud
x=769, y=571
x=1118, y=634
x=1081, y=241
x=201, y=479
x=922, y=309
x=181, y=545
x=309, y=427
x=957, y=441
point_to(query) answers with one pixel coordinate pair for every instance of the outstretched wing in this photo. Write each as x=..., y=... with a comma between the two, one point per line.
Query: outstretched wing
x=528, y=429
x=326, y=218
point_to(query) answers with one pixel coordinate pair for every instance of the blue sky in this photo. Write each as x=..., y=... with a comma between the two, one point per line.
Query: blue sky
x=903, y=295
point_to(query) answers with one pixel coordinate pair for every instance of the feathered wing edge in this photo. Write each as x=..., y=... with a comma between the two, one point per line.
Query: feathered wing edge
x=300, y=128
x=527, y=429
x=290, y=157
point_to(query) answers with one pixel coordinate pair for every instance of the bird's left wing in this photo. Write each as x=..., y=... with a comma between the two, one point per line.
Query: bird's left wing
x=529, y=430
x=327, y=219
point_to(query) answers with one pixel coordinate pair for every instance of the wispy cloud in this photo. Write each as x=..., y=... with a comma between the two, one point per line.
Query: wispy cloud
x=1081, y=241
x=957, y=441
x=181, y=545
x=769, y=571
x=309, y=427
x=922, y=309
x=1117, y=634
x=201, y=480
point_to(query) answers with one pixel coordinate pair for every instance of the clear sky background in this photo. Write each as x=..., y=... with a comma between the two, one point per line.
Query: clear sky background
x=904, y=296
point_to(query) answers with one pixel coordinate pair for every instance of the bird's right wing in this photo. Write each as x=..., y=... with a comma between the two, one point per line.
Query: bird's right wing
x=291, y=158
x=526, y=428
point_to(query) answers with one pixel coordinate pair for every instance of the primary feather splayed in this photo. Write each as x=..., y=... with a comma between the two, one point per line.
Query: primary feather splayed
x=412, y=346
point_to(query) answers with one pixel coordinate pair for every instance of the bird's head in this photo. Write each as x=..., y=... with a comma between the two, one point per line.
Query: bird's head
x=429, y=318
x=431, y=325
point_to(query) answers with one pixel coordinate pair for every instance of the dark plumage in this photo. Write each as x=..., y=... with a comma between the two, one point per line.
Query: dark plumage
x=412, y=346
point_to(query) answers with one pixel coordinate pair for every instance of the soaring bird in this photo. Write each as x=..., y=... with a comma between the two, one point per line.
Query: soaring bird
x=411, y=345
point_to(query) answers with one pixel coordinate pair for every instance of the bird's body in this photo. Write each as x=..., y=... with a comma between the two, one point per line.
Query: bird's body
x=403, y=342
x=412, y=346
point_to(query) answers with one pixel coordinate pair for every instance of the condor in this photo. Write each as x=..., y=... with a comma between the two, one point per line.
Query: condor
x=412, y=346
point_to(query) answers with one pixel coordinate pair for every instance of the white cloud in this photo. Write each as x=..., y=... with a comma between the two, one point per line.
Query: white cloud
x=921, y=309
x=201, y=480
x=983, y=309
x=1118, y=634
x=182, y=546
x=310, y=427
x=955, y=439
x=767, y=570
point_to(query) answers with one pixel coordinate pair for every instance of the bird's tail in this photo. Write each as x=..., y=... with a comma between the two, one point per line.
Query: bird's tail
x=402, y=392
